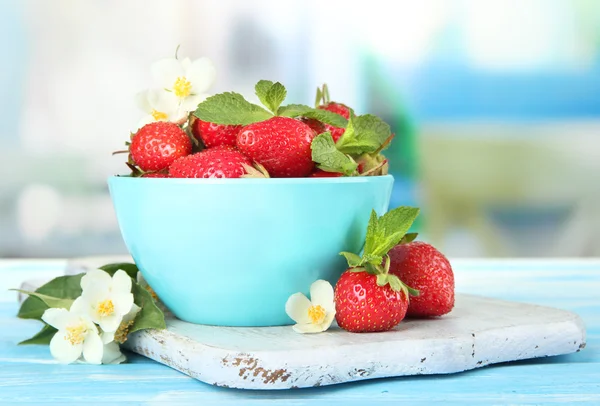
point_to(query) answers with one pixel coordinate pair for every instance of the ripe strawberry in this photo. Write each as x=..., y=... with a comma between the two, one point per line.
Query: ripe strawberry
x=214, y=135
x=361, y=305
x=423, y=267
x=218, y=162
x=280, y=144
x=155, y=175
x=323, y=174
x=340, y=109
x=317, y=126
x=157, y=145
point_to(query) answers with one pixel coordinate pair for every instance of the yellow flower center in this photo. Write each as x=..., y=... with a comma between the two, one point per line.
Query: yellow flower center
x=106, y=308
x=316, y=314
x=182, y=87
x=76, y=334
x=159, y=115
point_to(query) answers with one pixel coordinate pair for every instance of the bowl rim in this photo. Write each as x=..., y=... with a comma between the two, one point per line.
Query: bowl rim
x=234, y=181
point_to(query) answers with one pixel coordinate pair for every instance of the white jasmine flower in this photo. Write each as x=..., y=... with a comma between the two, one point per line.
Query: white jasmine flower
x=159, y=106
x=105, y=299
x=185, y=79
x=314, y=315
x=112, y=354
x=77, y=334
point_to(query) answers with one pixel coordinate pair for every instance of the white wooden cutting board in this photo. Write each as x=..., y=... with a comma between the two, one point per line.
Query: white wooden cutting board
x=478, y=332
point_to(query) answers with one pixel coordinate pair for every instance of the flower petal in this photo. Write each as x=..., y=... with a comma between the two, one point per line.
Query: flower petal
x=57, y=318
x=121, y=282
x=62, y=350
x=107, y=337
x=201, y=74
x=82, y=306
x=166, y=71
x=191, y=102
x=110, y=323
x=122, y=303
x=132, y=314
x=297, y=308
x=186, y=63
x=141, y=100
x=328, y=320
x=112, y=354
x=321, y=293
x=93, y=349
x=164, y=102
x=96, y=280
x=308, y=328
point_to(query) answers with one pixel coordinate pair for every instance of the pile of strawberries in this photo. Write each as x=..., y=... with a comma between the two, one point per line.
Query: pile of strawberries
x=374, y=293
x=228, y=137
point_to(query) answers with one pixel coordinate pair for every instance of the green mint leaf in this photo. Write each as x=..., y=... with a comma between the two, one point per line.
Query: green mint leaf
x=230, y=108
x=49, y=301
x=42, y=337
x=150, y=316
x=364, y=134
x=275, y=97
x=271, y=94
x=324, y=116
x=409, y=237
x=328, y=158
x=65, y=287
x=261, y=89
x=353, y=259
x=387, y=231
x=129, y=268
x=372, y=233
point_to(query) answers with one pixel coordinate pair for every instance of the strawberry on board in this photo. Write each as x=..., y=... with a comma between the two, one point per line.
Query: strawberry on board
x=157, y=145
x=323, y=102
x=218, y=162
x=423, y=267
x=368, y=298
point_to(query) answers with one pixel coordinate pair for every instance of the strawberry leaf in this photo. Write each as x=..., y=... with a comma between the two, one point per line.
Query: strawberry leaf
x=328, y=158
x=353, y=259
x=324, y=116
x=409, y=237
x=270, y=94
x=364, y=134
x=387, y=231
x=230, y=108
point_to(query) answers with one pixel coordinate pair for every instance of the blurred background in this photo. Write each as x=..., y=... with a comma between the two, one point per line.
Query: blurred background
x=495, y=103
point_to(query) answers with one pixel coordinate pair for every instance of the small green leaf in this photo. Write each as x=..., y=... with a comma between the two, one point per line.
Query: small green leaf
x=65, y=287
x=275, y=97
x=129, y=268
x=150, y=316
x=353, y=259
x=328, y=158
x=395, y=283
x=387, y=231
x=42, y=337
x=230, y=108
x=324, y=116
x=364, y=134
x=50, y=301
x=408, y=237
x=357, y=269
x=382, y=279
x=261, y=89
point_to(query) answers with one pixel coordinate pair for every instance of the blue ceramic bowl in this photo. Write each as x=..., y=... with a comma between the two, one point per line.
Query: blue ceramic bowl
x=229, y=252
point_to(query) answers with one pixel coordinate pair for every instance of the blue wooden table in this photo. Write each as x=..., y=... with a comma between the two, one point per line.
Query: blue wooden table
x=29, y=374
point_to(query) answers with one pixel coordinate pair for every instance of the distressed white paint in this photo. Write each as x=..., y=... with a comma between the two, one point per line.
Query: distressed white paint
x=480, y=331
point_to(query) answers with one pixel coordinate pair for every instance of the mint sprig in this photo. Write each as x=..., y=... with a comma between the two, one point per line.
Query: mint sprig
x=230, y=108
x=384, y=233
x=364, y=134
x=270, y=94
x=329, y=158
x=324, y=116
